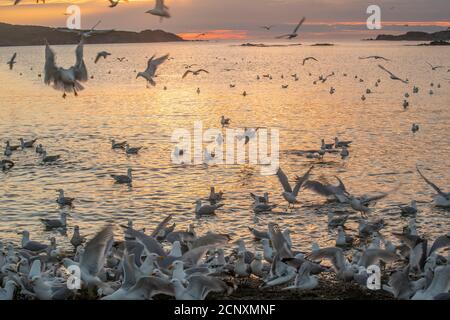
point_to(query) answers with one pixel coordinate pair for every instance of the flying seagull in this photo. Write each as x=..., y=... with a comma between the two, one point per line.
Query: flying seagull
x=308, y=58
x=101, y=54
x=66, y=80
x=294, y=33
x=12, y=61
x=443, y=198
x=152, y=66
x=194, y=73
x=160, y=10
x=374, y=57
x=115, y=3
x=267, y=27
x=393, y=76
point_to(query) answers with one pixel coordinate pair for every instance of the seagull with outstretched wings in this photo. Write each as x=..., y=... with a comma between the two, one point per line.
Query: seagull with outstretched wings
x=294, y=34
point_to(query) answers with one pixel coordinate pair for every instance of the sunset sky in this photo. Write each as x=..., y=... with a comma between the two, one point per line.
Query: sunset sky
x=241, y=19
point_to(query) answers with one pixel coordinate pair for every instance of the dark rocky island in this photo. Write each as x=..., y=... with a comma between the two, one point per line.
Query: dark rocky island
x=17, y=35
x=416, y=36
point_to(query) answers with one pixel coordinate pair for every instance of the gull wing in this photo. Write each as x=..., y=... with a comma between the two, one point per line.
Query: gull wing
x=192, y=257
x=284, y=180
x=319, y=188
x=440, y=242
x=301, y=180
x=386, y=70
x=371, y=256
x=283, y=36
x=151, y=286
x=129, y=278
x=435, y=187
x=299, y=25
x=97, y=57
x=150, y=244
x=153, y=64
x=80, y=68
x=186, y=73
x=200, y=285
x=94, y=254
x=14, y=56
x=161, y=225
x=334, y=254
x=50, y=68
x=202, y=70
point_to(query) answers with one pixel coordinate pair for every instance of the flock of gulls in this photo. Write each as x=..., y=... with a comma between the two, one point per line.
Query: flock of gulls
x=185, y=265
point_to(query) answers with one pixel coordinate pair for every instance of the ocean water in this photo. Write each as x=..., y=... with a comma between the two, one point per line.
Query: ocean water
x=115, y=105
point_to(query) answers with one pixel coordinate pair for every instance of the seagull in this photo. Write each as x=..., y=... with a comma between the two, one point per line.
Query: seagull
x=7, y=292
x=267, y=27
x=207, y=209
x=194, y=73
x=374, y=57
x=77, y=239
x=261, y=207
x=361, y=204
x=129, y=150
x=102, y=54
x=442, y=199
x=410, y=210
x=337, y=258
x=198, y=287
x=93, y=258
x=62, y=200
x=6, y=164
x=12, y=61
x=118, y=145
x=49, y=159
x=56, y=223
x=160, y=10
x=29, y=245
x=27, y=144
x=344, y=153
x=307, y=59
x=294, y=33
x=152, y=66
x=122, y=179
x=434, y=68
x=120, y=59
x=304, y=280
x=12, y=148
x=260, y=199
x=66, y=80
x=393, y=76
x=39, y=149
x=289, y=194
x=224, y=121
x=340, y=144
x=338, y=192
x=113, y=3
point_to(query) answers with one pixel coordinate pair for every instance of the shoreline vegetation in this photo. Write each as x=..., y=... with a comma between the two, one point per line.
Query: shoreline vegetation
x=18, y=35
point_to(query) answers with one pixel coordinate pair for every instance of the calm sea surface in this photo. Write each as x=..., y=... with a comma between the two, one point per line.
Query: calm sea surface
x=114, y=104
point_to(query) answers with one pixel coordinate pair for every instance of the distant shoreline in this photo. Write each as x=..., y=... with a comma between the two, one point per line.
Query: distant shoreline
x=18, y=35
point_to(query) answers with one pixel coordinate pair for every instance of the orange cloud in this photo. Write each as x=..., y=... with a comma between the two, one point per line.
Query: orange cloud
x=218, y=34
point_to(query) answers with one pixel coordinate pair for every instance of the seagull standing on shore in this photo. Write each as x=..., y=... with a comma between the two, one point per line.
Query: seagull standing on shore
x=66, y=80
x=152, y=66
